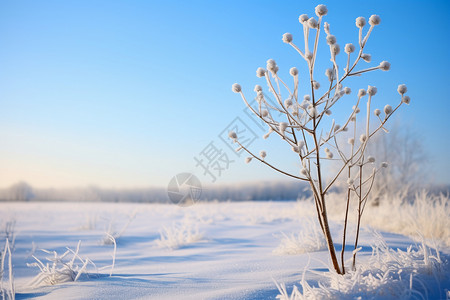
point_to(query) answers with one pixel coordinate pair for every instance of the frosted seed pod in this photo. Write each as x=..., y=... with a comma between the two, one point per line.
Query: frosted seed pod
x=331, y=39
x=272, y=66
x=326, y=150
x=257, y=88
x=293, y=71
x=388, y=109
x=353, y=119
x=328, y=112
x=300, y=144
x=361, y=93
x=321, y=10
x=304, y=172
x=374, y=20
x=362, y=138
x=287, y=38
x=345, y=129
x=263, y=154
x=384, y=65
x=329, y=155
x=377, y=112
x=384, y=164
x=360, y=22
x=356, y=109
x=303, y=18
x=283, y=126
x=295, y=149
x=347, y=90
x=371, y=90
x=366, y=57
x=349, y=48
x=308, y=55
x=232, y=135
x=248, y=159
x=406, y=100
x=287, y=102
x=351, y=141
x=260, y=72
x=329, y=74
x=264, y=113
x=236, y=88
x=371, y=159
x=350, y=181
x=307, y=97
x=312, y=112
x=402, y=89
x=337, y=127
x=335, y=49
x=312, y=23
x=316, y=85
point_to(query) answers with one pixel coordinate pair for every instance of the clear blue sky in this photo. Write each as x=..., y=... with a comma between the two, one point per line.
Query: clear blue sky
x=127, y=93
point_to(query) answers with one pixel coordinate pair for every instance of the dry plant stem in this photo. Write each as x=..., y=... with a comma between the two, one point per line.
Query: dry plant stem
x=345, y=224
x=359, y=215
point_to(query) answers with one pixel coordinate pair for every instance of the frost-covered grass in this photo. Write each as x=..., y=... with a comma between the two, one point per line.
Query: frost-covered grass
x=387, y=274
x=310, y=239
x=179, y=235
x=7, y=287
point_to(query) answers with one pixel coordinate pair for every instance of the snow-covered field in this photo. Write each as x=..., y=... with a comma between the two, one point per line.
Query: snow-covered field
x=232, y=250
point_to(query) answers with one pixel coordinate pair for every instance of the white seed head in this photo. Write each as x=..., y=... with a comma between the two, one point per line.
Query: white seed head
x=371, y=159
x=257, y=88
x=337, y=127
x=331, y=39
x=287, y=38
x=321, y=10
x=366, y=57
x=260, y=72
x=371, y=90
x=236, y=88
x=362, y=138
x=330, y=74
x=283, y=126
x=361, y=93
x=308, y=55
x=312, y=23
x=326, y=28
x=304, y=172
x=402, y=89
x=335, y=49
x=328, y=112
x=248, y=159
x=272, y=66
x=347, y=90
x=356, y=109
x=307, y=97
x=350, y=181
x=303, y=18
x=287, y=102
x=263, y=154
x=316, y=85
x=293, y=71
x=384, y=164
x=360, y=22
x=349, y=48
x=374, y=20
x=329, y=154
x=351, y=141
x=264, y=113
x=295, y=149
x=300, y=144
x=377, y=112
x=406, y=100
x=312, y=111
x=384, y=65
x=232, y=135
x=388, y=109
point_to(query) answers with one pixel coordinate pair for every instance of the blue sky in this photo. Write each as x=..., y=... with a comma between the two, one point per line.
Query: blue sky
x=128, y=93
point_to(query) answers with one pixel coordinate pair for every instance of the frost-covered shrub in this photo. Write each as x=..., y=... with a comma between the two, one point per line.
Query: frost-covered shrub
x=304, y=122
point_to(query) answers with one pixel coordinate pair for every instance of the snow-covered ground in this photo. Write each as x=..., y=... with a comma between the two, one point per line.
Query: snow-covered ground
x=237, y=250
